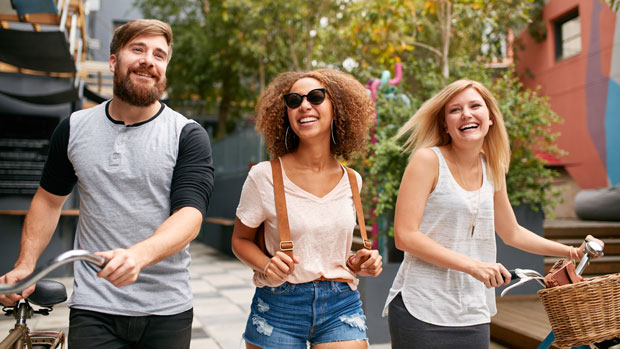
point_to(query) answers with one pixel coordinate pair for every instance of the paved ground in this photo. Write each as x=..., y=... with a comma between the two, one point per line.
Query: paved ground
x=222, y=294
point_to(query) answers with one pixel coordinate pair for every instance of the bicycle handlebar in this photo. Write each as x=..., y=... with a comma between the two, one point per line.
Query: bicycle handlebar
x=592, y=250
x=39, y=273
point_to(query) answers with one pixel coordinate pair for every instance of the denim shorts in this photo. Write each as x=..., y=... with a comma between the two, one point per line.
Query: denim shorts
x=292, y=315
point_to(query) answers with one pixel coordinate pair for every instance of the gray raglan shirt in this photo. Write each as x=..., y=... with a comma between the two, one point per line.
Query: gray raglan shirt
x=130, y=179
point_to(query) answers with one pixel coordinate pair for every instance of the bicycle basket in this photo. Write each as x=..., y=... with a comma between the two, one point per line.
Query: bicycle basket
x=584, y=313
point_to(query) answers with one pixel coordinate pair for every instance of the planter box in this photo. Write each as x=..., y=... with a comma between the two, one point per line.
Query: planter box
x=374, y=292
x=513, y=258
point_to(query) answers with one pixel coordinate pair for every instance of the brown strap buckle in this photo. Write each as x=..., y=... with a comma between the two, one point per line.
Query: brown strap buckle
x=367, y=244
x=286, y=245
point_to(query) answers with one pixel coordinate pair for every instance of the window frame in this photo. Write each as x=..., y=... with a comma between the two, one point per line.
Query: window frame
x=560, y=55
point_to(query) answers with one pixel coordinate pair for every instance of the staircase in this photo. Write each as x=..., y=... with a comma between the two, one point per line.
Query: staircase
x=521, y=321
x=573, y=231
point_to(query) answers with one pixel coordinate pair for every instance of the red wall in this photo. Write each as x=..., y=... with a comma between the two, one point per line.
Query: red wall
x=565, y=83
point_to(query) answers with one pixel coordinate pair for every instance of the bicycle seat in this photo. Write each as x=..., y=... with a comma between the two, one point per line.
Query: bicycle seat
x=48, y=293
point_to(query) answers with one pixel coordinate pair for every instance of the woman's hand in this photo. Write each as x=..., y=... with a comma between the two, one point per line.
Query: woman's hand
x=366, y=262
x=581, y=251
x=491, y=274
x=280, y=266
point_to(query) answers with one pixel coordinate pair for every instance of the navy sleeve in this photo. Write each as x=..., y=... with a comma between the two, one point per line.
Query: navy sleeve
x=192, y=179
x=58, y=174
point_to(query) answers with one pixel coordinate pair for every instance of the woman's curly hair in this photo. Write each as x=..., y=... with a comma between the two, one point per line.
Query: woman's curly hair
x=353, y=111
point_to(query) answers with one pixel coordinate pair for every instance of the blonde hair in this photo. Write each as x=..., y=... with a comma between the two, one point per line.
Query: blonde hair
x=426, y=128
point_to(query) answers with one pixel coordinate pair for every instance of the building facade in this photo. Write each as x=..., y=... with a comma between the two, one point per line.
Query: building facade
x=576, y=62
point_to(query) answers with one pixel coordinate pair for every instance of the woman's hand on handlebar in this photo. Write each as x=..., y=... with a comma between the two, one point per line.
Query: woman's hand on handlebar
x=280, y=266
x=491, y=274
x=12, y=277
x=582, y=248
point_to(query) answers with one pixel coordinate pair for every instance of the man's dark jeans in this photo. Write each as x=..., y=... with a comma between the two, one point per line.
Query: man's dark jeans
x=89, y=329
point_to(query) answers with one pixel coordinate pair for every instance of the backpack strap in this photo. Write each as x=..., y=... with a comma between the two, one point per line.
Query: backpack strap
x=286, y=244
x=358, y=207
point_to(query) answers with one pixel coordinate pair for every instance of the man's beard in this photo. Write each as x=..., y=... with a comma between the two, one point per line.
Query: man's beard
x=137, y=95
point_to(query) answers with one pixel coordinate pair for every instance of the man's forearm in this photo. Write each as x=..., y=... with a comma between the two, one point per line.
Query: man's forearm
x=172, y=236
x=39, y=226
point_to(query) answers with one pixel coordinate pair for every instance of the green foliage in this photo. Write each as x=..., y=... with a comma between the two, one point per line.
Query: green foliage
x=528, y=117
x=384, y=167
x=614, y=5
x=538, y=28
x=226, y=51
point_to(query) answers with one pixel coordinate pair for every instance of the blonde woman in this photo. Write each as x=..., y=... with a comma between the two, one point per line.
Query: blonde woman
x=308, y=120
x=452, y=200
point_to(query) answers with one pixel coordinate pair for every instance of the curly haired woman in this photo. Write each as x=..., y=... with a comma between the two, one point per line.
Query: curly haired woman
x=309, y=120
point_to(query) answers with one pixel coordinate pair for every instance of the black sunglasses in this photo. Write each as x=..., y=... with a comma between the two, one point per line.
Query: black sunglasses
x=315, y=97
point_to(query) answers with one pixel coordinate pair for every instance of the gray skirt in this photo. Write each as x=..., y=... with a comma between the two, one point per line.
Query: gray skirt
x=408, y=332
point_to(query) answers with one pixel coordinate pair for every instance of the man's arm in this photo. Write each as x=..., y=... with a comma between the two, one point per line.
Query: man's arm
x=192, y=184
x=39, y=226
x=56, y=184
x=173, y=235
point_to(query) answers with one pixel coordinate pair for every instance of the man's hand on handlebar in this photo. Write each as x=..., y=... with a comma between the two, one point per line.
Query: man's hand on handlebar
x=12, y=277
x=123, y=267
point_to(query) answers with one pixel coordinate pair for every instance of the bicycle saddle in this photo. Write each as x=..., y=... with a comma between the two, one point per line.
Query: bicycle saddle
x=48, y=293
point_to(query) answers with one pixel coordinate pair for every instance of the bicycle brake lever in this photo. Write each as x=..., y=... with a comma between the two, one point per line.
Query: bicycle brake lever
x=517, y=284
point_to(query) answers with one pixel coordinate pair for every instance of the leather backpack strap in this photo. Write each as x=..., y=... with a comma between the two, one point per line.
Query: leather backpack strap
x=358, y=207
x=286, y=244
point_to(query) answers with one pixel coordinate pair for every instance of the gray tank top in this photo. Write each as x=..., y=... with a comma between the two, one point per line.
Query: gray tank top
x=441, y=296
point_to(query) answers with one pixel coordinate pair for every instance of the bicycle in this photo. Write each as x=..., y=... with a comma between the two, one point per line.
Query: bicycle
x=593, y=250
x=47, y=294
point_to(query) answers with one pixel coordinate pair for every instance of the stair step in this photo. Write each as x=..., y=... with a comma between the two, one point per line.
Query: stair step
x=578, y=229
x=612, y=245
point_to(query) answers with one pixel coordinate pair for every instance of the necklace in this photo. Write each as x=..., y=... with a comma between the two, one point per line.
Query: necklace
x=474, y=217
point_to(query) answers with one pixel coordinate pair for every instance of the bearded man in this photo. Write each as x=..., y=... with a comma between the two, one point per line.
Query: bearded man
x=144, y=175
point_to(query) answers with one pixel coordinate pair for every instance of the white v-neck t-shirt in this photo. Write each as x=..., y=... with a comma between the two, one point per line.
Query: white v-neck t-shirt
x=321, y=227
x=442, y=296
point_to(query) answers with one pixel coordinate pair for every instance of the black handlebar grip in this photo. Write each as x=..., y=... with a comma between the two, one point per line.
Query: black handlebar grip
x=105, y=262
x=513, y=274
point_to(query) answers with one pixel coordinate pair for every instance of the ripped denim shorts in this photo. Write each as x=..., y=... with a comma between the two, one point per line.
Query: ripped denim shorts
x=292, y=315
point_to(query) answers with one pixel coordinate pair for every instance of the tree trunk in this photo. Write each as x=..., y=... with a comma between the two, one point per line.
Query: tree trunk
x=444, y=21
x=224, y=108
x=261, y=75
x=309, y=45
x=291, y=48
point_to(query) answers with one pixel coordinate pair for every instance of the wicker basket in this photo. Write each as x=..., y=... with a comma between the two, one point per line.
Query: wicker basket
x=584, y=313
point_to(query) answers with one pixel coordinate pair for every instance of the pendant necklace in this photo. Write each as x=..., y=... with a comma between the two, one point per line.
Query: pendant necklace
x=474, y=217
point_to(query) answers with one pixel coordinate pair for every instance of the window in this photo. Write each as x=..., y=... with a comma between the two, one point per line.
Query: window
x=567, y=36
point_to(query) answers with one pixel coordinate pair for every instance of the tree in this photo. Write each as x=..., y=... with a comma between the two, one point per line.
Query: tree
x=416, y=32
x=226, y=51
x=440, y=29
